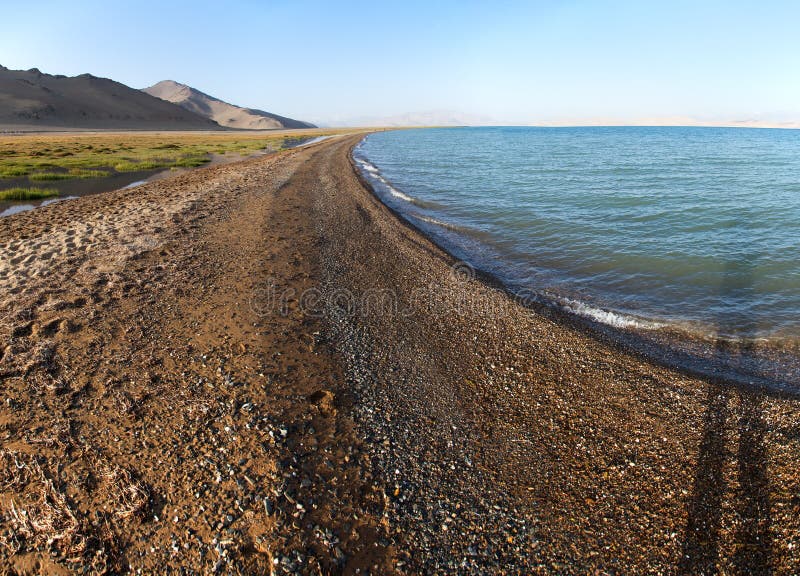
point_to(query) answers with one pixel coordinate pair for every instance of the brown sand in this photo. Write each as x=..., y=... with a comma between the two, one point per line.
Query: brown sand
x=163, y=407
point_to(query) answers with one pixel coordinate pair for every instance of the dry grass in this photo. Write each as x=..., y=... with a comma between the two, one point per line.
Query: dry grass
x=117, y=485
x=48, y=523
x=44, y=370
x=39, y=517
x=14, y=470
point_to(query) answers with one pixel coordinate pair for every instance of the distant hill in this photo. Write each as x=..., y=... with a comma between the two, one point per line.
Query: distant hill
x=33, y=100
x=221, y=112
x=427, y=118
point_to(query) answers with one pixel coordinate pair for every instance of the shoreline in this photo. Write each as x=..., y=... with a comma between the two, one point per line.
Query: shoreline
x=750, y=363
x=588, y=371
x=262, y=404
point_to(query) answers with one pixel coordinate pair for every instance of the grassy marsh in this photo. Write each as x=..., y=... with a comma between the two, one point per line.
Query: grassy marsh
x=68, y=175
x=60, y=157
x=18, y=193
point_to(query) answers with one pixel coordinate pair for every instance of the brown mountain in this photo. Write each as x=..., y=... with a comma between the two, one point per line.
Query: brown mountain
x=221, y=112
x=31, y=100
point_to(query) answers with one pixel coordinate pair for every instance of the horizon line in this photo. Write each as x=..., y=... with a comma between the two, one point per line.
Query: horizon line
x=722, y=125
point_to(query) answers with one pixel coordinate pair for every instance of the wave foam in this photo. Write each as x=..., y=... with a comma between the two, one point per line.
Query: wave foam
x=614, y=319
x=376, y=174
x=607, y=317
x=396, y=193
x=368, y=167
x=436, y=222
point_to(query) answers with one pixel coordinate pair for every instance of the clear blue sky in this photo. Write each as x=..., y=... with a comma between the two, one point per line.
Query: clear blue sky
x=514, y=61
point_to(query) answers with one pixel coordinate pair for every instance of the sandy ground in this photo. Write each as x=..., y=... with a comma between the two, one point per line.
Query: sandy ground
x=255, y=367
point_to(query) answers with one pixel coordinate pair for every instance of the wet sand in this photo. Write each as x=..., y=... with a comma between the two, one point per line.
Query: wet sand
x=256, y=366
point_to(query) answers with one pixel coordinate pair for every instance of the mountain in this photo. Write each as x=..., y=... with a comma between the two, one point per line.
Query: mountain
x=30, y=99
x=221, y=112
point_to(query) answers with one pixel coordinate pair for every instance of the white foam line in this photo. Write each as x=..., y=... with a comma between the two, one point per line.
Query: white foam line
x=615, y=319
x=395, y=192
x=436, y=222
x=375, y=173
x=368, y=167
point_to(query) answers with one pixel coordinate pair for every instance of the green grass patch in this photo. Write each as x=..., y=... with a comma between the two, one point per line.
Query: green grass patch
x=191, y=162
x=127, y=167
x=55, y=157
x=14, y=172
x=27, y=193
x=49, y=176
x=72, y=174
x=83, y=173
x=130, y=166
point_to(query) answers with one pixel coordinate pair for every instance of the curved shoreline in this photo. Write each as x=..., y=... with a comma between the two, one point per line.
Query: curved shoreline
x=721, y=359
x=586, y=440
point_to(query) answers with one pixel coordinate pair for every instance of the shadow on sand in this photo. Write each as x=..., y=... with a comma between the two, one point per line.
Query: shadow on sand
x=733, y=432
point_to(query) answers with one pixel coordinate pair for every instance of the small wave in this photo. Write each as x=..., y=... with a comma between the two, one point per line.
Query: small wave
x=435, y=222
x=396, y=193
x=368, y=167
x=614, y=319
x=376, y=174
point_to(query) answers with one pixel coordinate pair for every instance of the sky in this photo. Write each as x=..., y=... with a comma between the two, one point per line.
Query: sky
x=497, y=62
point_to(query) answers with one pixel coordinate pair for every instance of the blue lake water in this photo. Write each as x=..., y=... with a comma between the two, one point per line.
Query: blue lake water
x=689, y=229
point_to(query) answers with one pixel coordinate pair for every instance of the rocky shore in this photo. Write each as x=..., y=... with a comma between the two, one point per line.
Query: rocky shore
x=257, y=368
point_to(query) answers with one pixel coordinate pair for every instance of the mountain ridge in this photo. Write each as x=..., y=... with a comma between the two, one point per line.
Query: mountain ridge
x=31, y=99
x=224, y=113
